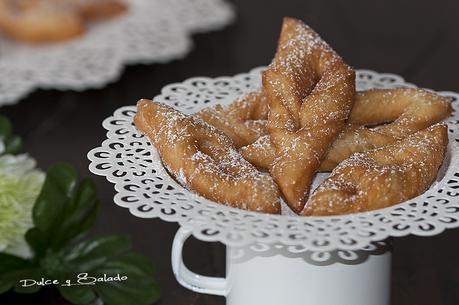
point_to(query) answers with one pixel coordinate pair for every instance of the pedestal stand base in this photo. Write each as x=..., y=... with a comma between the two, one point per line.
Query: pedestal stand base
x=281, y=275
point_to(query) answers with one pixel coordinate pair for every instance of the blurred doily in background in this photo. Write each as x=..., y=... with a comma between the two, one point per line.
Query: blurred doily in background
x=152, y=31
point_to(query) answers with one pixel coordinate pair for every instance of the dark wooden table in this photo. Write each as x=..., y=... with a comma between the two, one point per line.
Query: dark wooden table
x=416, y=39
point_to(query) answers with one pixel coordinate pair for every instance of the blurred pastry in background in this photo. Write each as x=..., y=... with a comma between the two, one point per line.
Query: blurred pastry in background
x=45, y=21
x=36, y=21
x=98, y=9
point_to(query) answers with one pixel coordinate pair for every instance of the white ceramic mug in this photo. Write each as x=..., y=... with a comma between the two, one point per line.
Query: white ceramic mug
x=276, y=276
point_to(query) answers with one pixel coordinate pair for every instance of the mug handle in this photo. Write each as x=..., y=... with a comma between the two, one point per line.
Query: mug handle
x=189, y=279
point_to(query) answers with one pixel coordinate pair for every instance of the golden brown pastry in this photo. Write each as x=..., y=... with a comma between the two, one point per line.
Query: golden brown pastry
x=97, y=9
x=396, y=112
x=204, y=159
x=42, y=21
x=310, y=91
x=260, y=153
x=244, y=120
x=36, y=21
x=306, y=118
x=382, y=177
x=408, y=110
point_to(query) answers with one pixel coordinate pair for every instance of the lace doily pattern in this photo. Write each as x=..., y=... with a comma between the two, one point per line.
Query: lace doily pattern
x=324, y=258
x=152, y=31
x=199, y=16
x=129, y=161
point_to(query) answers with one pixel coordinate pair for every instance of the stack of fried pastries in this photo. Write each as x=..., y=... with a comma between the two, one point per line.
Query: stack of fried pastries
x=42, y=21
x=383, y=146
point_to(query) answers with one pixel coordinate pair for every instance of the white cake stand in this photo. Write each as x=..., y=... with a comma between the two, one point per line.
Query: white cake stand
x=274, y=259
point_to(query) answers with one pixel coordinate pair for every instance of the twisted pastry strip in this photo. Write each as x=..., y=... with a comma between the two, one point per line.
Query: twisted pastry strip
x=382, y=177
x=202, y=158
x=310, y=91
x=244, y=120
x=408, y=110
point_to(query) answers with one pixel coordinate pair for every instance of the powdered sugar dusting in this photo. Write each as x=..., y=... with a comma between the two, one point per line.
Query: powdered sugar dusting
x=205, y=159
x=383, y=176
x=243, y=121
x=310, y=92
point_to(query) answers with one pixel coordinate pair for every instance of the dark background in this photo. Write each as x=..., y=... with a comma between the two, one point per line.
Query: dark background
x=416, y=39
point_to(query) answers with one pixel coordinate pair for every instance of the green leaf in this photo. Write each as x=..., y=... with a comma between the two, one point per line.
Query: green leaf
x=140, y=288
x=29, y=274
x=13, y=269
x=13, y=145
x=9, y=264
x=110, y=256
x=79, y=214
x=64, y=210
x=79, y=295
x=37, y=241
x=5, y=127
x=50, y=205
x=54, y=196
x=93, y=253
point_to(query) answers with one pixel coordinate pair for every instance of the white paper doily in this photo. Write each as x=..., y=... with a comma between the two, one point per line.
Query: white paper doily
x=152, y=31
x=129, y=161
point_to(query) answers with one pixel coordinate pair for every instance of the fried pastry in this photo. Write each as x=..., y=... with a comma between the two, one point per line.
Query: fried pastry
x=205, y=160
x=261, y=147
x=396, y=113
x=37, y=21
x=97, y=9
x=408, y=110
x=310, y=91
x=382, y=177
x=260, y=153
x=244, y=120
x=306, y=118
